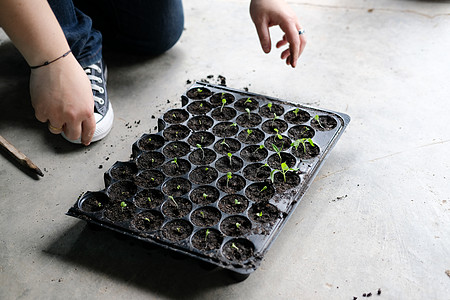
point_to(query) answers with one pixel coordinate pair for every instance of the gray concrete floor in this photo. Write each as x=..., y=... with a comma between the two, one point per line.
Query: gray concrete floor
x=377, y=215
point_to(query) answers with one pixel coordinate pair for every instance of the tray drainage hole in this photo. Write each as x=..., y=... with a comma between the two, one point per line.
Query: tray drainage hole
x=177, y=187
x=233, y=204
x=207, y=239
x=93, y=202
x=121, y=190
x=206, y=216
x=150, y=142
x=204, y=195
x=199, y=93
x=150, y=160
x=176, y=207
x=236, y=226
x=238, y=250
x=149, y=178
x=177, y=230
x=176, y=116
x=323, y=123
x=149, y=199
x=148, y=221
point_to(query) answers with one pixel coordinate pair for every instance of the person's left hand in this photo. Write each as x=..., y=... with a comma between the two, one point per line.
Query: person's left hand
x=268, y=13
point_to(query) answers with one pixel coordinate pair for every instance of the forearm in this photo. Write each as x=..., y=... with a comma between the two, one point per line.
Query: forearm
x=34, y=29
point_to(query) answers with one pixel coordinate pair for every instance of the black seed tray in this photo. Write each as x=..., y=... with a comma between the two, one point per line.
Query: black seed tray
x=220, y=178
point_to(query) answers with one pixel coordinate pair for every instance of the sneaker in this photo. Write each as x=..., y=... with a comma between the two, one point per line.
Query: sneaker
x=103, y=110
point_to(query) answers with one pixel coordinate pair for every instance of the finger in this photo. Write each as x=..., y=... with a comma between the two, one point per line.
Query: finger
x=72, y=131
x=88, y=130
x=282, y=42
x=264, y=36
x=285, y=54
x=293, y=39
x=302, y=44
x=54, y=129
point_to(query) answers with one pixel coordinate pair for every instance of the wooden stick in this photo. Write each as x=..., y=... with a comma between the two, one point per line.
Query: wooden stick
x=19, y=156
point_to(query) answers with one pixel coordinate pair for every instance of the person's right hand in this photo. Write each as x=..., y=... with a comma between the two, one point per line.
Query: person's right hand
x=61, y=95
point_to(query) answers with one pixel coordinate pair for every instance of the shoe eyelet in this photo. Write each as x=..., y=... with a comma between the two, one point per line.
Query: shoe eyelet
x=101, y=90
x=101, y=101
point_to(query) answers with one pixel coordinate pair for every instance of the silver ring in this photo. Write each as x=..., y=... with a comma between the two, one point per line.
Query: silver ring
x=301, y=31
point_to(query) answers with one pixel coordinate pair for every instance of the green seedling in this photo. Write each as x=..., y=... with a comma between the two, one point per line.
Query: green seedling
x=173, y=200
x=278, y=135
x=317, y=118
x=199, y=90
x=152, y=160
x=206, y=169
x=238, y=225
x=269, y=105
x=274, y=119
x=224, y=143
x=178, y=187
x=207, y=233
x=248, y=112
x=147, y=219
x=202, y=139
x=229, y=176
x=264, y=188
x=174, y=115
x=259, y=148
x=152, y=179
x=236, y=202
x=248, y=101
x=233, y=124
x=234, y=246
x=259, y=214
x=284, y=169
x=149, y=199
x=99, y=204
x=224, y=101
x=296, y=111
x=278, y=151
x=176, y=134
x=203, y=151
x=303, y=141
x=201, y=104
x=175, y=161
x=202, y=214
x=150, y=139
x=123, y=205
x=249, y=131
x=178, y=229
x=175, y=146
x=230, y=157
x=262, y=166
x=205, y=196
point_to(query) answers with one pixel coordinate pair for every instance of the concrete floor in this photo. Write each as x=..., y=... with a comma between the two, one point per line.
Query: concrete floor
x=377, y=215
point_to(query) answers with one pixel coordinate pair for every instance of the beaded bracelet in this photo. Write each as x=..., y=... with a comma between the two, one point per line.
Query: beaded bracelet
x=49, y=62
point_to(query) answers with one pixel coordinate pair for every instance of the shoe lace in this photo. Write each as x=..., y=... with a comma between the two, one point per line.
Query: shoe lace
x=95, y=79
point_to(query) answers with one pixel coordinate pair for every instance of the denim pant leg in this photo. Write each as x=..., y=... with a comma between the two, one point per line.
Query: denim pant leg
x=148, y=27
x=84, y=41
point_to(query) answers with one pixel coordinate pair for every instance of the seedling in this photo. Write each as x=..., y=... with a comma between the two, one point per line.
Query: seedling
x=224, y=101
x=175, y=161
x=123, y=205
x=202, y=138
x=248, y=101
x=99, y=204
x=149, y=199
x=147, y=219
x=178, y=229
x=274, y=118
x=317, y=118
x=205, y=196
x=249, y=131
x=237, y=202
x=234, y=246
x=152, y=160
x=176, y=134
x=207, y=233
x=174, y=115
x=264, y=165
x=229, y=157
x=259, y=148
x=278, y=135
x=201, y=104
x=152, y=179
x=203, y=214
x=303, y=141
x=173, y=200
x=178, y=187
x=203, y=151
x=284, y=169
x=296, y=111
x=206, y=169
x=199, y=90
x=224, y=143
x=269, y=105
x=238, y=225
x=259, y=214
x=233, y=125
x=278, y=151
x=248, y=112
x=229, y=176
x=263, y=189
x=150, y=139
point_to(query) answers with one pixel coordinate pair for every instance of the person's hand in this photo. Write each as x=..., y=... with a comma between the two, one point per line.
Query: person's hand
x=267, y=13
x=61, y=95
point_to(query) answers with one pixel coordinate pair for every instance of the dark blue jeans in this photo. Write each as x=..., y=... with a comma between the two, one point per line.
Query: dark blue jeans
x=144, y=27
